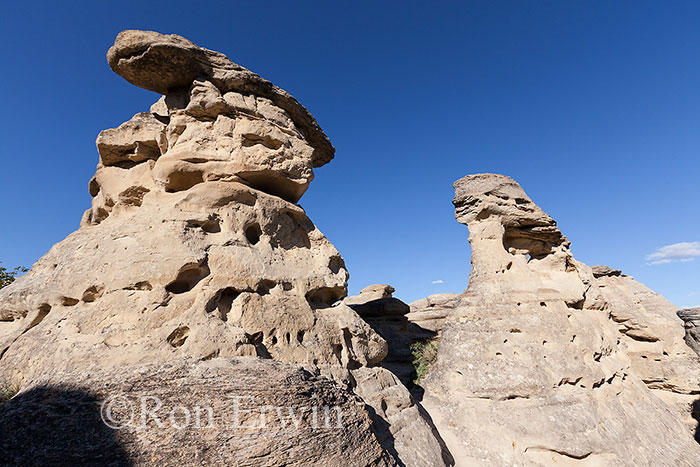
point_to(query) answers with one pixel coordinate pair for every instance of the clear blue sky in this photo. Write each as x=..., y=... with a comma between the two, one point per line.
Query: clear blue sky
x=594, y=107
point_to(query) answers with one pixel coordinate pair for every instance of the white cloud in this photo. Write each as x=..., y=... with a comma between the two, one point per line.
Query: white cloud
x=439, y=281
x=683, y=251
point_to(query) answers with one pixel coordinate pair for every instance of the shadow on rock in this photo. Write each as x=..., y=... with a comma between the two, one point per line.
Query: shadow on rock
x=387, y=316
x=695, y=412
x=54, y=426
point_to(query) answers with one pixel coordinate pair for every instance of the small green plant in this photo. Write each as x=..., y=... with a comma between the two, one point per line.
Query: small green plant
x=424, y=354
x=7, y=390
x=7, y=277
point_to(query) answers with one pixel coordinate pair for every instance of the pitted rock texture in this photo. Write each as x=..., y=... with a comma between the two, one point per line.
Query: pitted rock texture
x=170, y=64
x=193, y=245
x=194, y=249
x=184, y=413
x=545, y=360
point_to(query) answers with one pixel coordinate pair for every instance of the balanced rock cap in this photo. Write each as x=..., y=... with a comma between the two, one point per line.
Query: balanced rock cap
x=169, y=63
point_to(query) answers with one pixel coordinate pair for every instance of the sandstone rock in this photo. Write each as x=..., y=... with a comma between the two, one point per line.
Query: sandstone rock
x=193, y=246
x=194, y=250
x=371, y=292
x=604, y=271
x=377, y=301
x=403, y=427
x=691, y=318
x=183, y=413
x=430, y=313
x=169, y=64
x=532, y=366
x=653, y=338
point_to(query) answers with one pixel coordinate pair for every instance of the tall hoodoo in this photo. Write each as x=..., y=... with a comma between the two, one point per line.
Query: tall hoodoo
x=194, y=245
x=194, y=248
x=545, y=359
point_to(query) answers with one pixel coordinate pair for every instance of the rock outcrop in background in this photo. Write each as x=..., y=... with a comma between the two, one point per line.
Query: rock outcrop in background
x=195, y=249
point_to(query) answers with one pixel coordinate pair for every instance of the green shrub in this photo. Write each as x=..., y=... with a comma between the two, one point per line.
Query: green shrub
x=424, y=354
x=7, y=277
x=7, y=390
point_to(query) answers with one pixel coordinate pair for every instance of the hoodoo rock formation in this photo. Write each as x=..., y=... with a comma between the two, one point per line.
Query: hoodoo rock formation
x=544, y=359
x=194, y=249
x=193, y=245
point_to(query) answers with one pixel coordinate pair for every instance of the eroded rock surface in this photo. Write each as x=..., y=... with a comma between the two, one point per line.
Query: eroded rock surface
x=193, y=245
x=544, y=359
x=183, y=413
x=195, y=249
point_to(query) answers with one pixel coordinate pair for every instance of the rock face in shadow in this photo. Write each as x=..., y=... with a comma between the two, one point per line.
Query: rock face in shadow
x=387, y=316
x=402, y=424
x=544, y=359
x=691, y=318
x=217, y=412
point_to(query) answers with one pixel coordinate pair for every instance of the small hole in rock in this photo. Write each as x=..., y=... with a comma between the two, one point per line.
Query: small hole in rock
x=253, y=233
x=178, y=336
x=324, y=297
x=188, y=277
x=335, y=264
x=68, y=301
x=265, y=286
x=223, y=301
x=92, y=293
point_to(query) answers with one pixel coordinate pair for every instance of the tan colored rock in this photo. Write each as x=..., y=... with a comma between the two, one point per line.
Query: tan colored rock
x=194, y=250
x=532, y=367
x=371, y=293
x=193, y=246
x=134, y=141
x=402, y=425
x=169, y=64
x=184, y=413
x=430, y=312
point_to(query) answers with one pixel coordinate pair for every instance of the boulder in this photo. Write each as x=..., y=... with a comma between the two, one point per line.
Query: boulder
x=226, y=411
